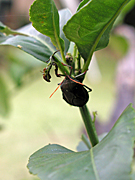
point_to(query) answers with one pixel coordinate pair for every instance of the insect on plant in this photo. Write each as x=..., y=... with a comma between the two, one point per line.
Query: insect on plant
x=87, y=31
x=74, y=92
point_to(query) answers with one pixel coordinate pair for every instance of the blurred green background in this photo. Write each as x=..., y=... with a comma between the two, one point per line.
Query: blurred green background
x=30, y=120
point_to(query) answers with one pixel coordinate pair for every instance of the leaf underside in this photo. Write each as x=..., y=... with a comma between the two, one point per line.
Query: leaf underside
x=33, y=42
x=110, y=159
x=30, y=45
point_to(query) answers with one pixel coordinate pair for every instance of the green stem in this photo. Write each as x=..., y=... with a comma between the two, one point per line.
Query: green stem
x=86, y=141
x=74, y=52
x=90, y=126
x=62, y=68
x=62, y=55
x=78, y=61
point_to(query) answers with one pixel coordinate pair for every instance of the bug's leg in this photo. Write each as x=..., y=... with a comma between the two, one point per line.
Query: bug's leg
x=56, y=70
x=88, y=88
x=79, y=83
x=67, y=65
x=83, y=84
x=80, y=74
x=70, y=67
x=75, y=80
x=56, y=66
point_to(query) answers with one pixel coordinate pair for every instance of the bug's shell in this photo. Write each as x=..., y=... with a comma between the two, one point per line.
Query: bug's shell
x=73, y=93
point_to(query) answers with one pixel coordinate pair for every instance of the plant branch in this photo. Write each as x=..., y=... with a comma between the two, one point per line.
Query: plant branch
x=89, y=125
x=62, y=54
x=74, y=52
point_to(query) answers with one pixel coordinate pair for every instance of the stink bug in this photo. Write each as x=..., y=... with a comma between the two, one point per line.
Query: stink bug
x=74, y=92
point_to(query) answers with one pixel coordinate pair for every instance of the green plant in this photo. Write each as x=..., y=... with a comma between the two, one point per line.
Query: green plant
x=89, y=29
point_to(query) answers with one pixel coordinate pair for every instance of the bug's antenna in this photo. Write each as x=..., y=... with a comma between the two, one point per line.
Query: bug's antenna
x=79, y=83
x=75, y=80
x=56, y=89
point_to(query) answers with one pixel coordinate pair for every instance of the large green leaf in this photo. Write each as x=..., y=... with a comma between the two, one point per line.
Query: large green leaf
x=32, y=41
x=89, y=28
x=30, y=45
x=109, y=160
x=45, y=18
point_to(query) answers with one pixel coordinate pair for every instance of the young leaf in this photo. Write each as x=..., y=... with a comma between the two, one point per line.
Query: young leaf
x=89, y=28
x=110, y=159
x=45, y=18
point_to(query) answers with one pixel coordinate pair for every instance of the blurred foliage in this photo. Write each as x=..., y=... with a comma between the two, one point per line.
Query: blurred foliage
x=124, y=12
x=4, y=99
x=17, y=70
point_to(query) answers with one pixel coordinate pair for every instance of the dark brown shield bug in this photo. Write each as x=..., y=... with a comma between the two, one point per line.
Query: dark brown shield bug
x=74, y=92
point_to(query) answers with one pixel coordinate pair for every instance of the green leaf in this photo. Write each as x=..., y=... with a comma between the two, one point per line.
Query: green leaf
x=30, y=45
x=6, y=30
x=84, y=144
x=45, y=18
x=29, y=40
x=110, y=159
x=32, y=41
x=4, y=98
x=89, y=28
x=65, y=15
x=82, y=4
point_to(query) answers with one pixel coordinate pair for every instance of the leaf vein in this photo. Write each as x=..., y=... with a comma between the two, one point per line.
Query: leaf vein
x=94, y=166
